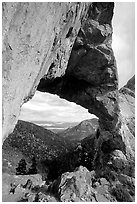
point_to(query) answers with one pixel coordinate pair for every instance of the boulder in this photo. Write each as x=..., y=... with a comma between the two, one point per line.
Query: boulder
x=79, y=186
x=75, y=186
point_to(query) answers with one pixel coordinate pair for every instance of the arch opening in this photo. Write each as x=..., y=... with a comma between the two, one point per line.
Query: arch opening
x=52, y=112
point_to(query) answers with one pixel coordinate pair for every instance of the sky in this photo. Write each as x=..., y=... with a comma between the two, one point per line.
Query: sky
x=124, y=40
x=47, y=107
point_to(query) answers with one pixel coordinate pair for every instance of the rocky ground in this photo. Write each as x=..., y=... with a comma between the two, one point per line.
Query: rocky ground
x=25, y=188
x=80, y=185
x=73, y=175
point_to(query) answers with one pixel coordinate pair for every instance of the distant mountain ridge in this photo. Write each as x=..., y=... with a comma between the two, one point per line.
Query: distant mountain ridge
x=81, y=131
x=55, y=126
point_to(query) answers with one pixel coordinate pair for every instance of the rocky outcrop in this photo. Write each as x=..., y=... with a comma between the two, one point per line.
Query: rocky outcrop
x=74, y=186
x=84, y=186
x=112, y=170
x=127, y=104
x=116, y=149
x=72, y=58
x=127, y=115
x=65, y=49
x=28, y=188
x=36, y=36
x=90, y=79
x=106, y=152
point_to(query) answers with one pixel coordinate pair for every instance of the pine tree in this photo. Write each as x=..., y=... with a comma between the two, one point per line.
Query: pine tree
x=33, y=168
x=21, y=169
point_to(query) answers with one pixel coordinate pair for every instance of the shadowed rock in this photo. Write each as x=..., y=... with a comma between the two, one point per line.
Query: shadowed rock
x=73, y=57
x=65, y=49
x=36, y=36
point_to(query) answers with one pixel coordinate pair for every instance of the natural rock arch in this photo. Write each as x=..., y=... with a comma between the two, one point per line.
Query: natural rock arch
x=72, y=58
x=65, y=49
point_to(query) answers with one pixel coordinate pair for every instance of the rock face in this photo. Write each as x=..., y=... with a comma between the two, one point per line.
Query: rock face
x=65, y=49
x=116, y=149
x=127, y=115
x=108, y=154
x=127, y=104
x=65, y=46
x=75, y=186
x=90, y=79
x=83, y=186
x=36, y=36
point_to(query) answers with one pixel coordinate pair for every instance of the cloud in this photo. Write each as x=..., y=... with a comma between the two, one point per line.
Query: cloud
x=48, y=107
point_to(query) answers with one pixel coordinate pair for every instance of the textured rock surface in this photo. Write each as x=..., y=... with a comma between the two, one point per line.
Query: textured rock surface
x=86, y=74
x=112, y=150
x=33, y=191
x=84, y=186
x=111, y=157
x=65, y=49
x=36, y=36
x=117, y=148
x=127, y=104
x=91, y=76
x=81, y=186
x=127, y=116
x=112, y=179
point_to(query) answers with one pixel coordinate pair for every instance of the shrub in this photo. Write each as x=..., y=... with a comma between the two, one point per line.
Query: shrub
x=21, y=169
x=33, y=168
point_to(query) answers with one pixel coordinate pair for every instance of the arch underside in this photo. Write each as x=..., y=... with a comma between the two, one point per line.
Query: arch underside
x=72, y=59
x=90, y=78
